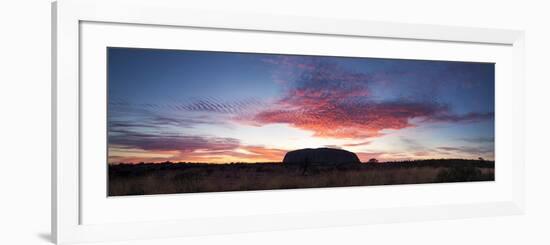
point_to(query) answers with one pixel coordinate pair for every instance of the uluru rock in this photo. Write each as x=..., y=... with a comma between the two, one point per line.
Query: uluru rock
x=320, y=156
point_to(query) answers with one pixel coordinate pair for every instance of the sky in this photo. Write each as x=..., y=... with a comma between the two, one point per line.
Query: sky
x=223, y=107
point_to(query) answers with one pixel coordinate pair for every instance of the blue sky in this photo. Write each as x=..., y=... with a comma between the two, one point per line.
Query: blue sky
x=219, y=107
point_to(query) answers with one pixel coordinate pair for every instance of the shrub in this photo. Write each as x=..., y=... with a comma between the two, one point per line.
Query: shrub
x=373, y=160
x=459, y=174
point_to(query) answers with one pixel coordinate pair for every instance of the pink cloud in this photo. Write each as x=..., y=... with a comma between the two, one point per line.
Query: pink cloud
x=333, y=102
x=133, y=147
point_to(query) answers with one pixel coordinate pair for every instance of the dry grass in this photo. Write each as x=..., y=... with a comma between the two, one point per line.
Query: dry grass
x=191, y=178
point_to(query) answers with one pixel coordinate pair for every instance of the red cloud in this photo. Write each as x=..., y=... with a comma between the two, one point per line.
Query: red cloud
x=333, y=102
x=345, y=120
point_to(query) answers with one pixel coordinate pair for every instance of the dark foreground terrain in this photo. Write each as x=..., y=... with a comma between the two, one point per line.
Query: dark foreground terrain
x=165, y=178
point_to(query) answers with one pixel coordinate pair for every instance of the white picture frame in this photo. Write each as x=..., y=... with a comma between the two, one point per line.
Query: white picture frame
x=68, y=17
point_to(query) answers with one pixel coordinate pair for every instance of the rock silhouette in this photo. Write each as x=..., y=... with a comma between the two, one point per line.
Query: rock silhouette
x=320, y=156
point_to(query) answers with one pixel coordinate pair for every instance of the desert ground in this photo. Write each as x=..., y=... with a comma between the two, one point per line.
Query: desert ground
x=168, y=178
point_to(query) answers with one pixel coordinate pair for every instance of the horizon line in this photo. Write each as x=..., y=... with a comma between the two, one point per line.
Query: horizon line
x=280, y=162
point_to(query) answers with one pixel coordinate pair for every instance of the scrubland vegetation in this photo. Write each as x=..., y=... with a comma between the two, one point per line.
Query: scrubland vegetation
x=166, y=178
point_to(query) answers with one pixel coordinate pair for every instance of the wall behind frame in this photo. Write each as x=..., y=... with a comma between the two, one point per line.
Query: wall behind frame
x=25, y=122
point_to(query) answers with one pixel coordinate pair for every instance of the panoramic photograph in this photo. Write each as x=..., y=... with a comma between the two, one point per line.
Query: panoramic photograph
x=183, y=121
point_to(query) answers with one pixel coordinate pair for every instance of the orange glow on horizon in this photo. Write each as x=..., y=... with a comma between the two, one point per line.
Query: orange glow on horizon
x=252, y=154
